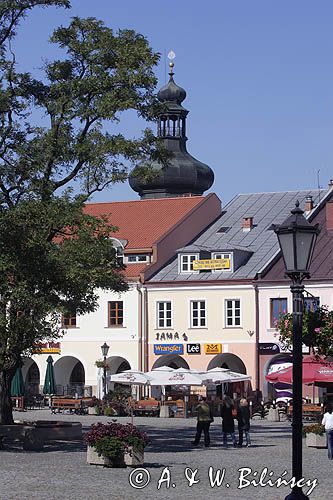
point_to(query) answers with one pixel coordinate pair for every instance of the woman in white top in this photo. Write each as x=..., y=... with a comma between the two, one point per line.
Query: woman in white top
x=328, y=423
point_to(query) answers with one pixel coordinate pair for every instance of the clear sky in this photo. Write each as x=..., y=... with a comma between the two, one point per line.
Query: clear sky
x=258, y=76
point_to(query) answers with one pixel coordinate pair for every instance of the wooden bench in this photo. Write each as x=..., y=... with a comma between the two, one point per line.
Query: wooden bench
x=67, y=404
x=149, y=407
x=310, y=412
x=180, y=407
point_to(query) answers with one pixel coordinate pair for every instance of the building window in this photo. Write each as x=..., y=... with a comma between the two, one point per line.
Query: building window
x=233, y=312
x=219, y=255
x=68, y=320
x=116, y=313
x=164, y=312
x=198, y=314
x=278, y=306
x=137, y=258
x=311, y=303
x=186, y=263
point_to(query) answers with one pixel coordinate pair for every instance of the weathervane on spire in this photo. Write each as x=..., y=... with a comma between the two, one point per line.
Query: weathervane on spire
x=171, y=57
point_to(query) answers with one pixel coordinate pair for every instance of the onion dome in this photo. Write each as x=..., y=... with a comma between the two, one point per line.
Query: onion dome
x=183, y=175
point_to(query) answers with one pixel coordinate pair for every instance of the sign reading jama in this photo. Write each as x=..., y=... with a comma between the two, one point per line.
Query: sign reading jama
x=168, y=349
x=208, y=264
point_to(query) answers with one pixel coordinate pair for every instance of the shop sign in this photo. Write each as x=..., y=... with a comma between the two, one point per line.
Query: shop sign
x=47, y=348
x=193, y=348
x=209, y=264
x=268, y=348
x=168, y=349
x=213, y=348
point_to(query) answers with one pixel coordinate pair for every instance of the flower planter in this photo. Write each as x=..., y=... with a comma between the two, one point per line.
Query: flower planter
x=315, y=440
x=94, y=459
x=134, y=457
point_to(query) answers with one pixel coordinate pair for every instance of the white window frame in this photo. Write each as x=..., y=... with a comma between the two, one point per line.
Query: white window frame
x=199, y=315
x=224, y=255
x=136, y=261
x=233, y=325
x=189, y=255
x=157, y=315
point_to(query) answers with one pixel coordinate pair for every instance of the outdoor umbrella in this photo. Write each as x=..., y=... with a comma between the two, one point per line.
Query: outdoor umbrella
x=17, y=386
x=315, y=371
x=131, y=377
x=224, y=375
x=49, y=382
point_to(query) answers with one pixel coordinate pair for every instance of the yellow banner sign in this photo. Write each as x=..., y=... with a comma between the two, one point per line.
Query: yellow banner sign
x=209, y=264
x=213, y=348
x=48, y=348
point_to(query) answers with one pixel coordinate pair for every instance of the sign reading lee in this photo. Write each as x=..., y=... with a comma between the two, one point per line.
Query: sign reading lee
x=213, y=348
x=193, y=348
x=168, y=348
x=208, y=264
x=48, y=348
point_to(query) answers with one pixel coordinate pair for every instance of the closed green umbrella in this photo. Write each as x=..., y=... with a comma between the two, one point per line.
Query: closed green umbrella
x=17, y=387
x=49, y=383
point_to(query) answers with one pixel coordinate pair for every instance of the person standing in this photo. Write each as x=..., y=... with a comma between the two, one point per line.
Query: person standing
x=243, y=417
x=204, y=419
x=328, y=423
x=228, y=425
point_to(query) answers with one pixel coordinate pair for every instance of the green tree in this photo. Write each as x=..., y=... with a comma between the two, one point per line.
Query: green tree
x=59, y=145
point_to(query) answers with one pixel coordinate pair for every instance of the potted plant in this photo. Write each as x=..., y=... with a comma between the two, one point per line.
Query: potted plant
x=94, y=406
x=315, y=435
x=317, y=330
x=115, y=445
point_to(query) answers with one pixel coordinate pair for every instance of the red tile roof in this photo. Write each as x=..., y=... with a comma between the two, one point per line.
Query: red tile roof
x=142, y=222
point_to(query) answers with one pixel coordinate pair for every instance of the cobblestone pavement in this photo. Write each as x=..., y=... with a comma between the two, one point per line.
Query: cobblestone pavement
x=61, y=472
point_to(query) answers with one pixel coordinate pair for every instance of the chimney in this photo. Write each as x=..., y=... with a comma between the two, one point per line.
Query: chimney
x=330, y=184
x=308, y=203
x=247, y=223
x=329, y=216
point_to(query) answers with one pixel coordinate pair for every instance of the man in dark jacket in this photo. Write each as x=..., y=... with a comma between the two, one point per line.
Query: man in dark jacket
x=228, y=426
x=204, y=419
x=243, y=417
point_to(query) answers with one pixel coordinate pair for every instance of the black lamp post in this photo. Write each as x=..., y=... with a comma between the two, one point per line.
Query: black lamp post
x=297, y=238
x=105, y=349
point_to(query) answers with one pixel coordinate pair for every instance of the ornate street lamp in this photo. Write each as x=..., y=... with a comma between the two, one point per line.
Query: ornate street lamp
x=297, y=239
x=105, y=349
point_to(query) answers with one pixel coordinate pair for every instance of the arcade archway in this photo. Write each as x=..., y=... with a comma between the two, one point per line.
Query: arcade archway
x=172, y=360
x=31, y=376
x=234, y=363
x=69, y=375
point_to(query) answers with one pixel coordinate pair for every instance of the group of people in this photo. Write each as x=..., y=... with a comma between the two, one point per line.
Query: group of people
x=228, y=414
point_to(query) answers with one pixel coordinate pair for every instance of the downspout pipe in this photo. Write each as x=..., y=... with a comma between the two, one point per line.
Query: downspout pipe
x=256, y=295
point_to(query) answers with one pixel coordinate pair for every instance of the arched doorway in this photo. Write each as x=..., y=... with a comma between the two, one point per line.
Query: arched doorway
x=172, y=360
x=279, y=391
x=31, y=376
x=234, y=363
x=69, y=375
x=115, y=364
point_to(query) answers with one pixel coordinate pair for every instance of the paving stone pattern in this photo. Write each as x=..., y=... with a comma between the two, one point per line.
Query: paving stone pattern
x=61, y=472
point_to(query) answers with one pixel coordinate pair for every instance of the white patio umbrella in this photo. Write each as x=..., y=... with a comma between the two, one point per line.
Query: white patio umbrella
x=131, y=377
x=223, y=375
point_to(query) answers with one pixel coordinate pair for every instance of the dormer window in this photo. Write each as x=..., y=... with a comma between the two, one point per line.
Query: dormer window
x=186, y=262
x=135, y=258
x=227, y=258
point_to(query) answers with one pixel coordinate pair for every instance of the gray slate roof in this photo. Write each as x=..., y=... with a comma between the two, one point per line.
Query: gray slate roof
x=266, y=209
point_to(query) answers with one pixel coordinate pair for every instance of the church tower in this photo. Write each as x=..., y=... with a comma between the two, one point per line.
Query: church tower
x=182, y=175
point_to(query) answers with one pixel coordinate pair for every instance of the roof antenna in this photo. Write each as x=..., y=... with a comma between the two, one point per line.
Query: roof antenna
x=318, y=184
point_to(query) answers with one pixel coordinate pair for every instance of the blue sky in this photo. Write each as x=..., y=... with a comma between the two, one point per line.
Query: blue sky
x=258, y=76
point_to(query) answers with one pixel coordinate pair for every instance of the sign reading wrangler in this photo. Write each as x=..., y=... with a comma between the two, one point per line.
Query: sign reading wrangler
x=168, y=348
x=208, y=264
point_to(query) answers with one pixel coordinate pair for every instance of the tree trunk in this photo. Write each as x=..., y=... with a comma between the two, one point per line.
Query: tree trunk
x=6, y=412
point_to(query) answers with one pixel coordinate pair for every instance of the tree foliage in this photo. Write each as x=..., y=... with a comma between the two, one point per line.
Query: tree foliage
x=59, y=144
